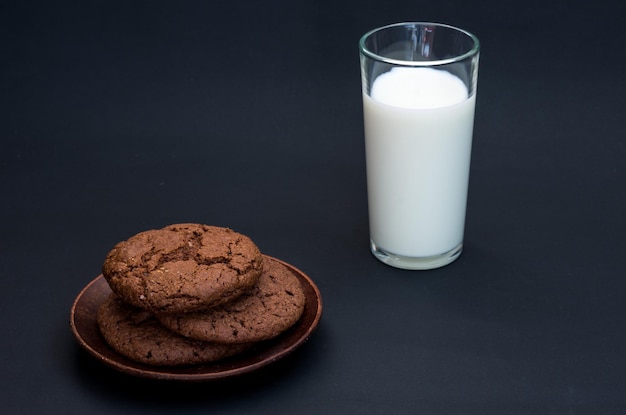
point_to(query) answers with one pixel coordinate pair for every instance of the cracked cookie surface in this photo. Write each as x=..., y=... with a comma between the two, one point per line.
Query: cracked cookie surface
x=183, y=267
x=271, y=307
x=136, y=334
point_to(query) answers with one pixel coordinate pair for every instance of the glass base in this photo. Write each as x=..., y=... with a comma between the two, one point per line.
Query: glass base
x=416, y=263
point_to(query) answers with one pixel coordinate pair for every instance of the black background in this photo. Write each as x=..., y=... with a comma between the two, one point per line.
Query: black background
x=117, y=117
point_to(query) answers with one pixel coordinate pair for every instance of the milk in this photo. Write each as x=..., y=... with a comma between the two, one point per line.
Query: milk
x=418, y=138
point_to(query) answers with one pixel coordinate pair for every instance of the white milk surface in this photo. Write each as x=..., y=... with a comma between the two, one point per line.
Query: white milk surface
x=418, y=138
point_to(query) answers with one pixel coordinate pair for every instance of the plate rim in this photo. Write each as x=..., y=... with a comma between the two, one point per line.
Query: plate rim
x=104, y=353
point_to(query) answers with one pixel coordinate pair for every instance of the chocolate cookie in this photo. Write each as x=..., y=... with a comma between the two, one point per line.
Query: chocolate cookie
x=271, y=307
x=184, y=267
x=136, y=334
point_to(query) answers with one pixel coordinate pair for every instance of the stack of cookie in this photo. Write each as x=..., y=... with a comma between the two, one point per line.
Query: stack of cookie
x=190, y=294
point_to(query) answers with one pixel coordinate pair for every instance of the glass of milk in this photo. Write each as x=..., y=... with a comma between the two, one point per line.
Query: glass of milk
x=419, y=93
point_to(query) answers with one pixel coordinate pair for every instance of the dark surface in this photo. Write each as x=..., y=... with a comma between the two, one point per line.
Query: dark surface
x=117, y=117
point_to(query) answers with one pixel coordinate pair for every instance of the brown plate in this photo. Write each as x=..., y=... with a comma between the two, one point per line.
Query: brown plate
x=85, y=329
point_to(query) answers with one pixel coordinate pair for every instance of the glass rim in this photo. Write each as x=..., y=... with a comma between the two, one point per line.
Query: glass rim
x=472, y=52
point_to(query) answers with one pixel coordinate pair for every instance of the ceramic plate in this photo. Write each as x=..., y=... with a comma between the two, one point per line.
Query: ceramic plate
x=85, y=328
